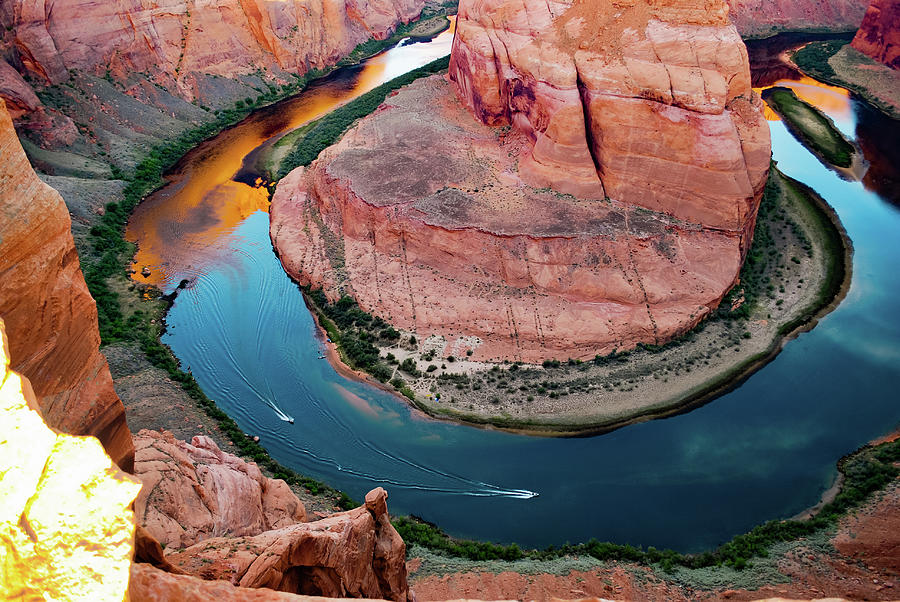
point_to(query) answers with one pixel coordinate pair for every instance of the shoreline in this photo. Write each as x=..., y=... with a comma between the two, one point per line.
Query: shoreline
x=697, y=396
x=871, y=94
x=804, y=135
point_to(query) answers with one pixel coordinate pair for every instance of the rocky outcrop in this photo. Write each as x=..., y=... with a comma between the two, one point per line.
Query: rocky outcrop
x=149, y=584
x=610, y=204
x=761, y=18
x=195, y=491
x=50, y=315
x=65, y=515
x=650, y=105
x=19, y=96
x=350, y=554
x=182, y=40
x=879, y=34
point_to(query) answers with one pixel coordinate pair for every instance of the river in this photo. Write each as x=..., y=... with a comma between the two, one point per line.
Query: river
x=766, y=450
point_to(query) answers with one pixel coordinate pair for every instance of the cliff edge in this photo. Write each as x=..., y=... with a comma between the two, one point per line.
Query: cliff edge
x=50, y=316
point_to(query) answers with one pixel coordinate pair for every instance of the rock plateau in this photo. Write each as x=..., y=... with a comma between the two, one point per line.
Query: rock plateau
x=605, y=195
x=50, y=315
x=879, y=34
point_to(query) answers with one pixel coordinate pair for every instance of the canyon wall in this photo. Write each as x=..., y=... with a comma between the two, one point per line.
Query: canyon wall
x=879, y=34
x=50, y=315
x=761, y=18
x=604, y=195
x=180, y=40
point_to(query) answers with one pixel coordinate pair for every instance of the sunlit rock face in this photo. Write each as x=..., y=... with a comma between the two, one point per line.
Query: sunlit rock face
x=879, y=34
x=589, y=180
x=66, y=526
x=195, y=491
x=178, y=40
x=50, y=315
x=762, y=18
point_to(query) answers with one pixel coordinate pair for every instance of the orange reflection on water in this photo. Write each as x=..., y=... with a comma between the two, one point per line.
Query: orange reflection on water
x=831, y=100
x=188, y=224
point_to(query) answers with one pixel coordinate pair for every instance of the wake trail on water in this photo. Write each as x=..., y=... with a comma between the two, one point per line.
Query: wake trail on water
x=469, y=487
x=228, y=365
x=203, y=351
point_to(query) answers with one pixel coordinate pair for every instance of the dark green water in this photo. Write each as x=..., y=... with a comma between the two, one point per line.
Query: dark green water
x=766, y=450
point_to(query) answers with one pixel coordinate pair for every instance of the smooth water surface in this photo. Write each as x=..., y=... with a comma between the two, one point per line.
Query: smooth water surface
x=767, y=450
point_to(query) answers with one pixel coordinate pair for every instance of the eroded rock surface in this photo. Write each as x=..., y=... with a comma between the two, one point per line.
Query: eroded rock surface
x=50, y=315
x=650, y=104
x=611, y=202
x=879, y=34
x=195, y=491
x=761, y=18
x=350, y=554
x=184, y=41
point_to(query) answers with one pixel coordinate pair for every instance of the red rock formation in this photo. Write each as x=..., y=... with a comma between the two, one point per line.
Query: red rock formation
x=350, y=554
x=179, y=39
x=149, y=584
x=761, y=18
x=879, y=34
x=650, y=105
x=19, y=96
x=449, y=228
x=195, y=491
x=50, y=315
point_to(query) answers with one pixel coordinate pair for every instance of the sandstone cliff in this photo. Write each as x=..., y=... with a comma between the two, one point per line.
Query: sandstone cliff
x=181, y=42
x=761, y=18
x=195, y=491
x=50, y=315
x=611, y=202
x=879, y=34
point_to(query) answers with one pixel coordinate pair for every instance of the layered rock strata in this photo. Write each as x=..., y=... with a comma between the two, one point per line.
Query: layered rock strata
x=761, y=18
x=611, y=203
x=182, y=39
x=650, y=104
x=195, y=491
x=50, y=315
x=354, y=554
x=879, y=34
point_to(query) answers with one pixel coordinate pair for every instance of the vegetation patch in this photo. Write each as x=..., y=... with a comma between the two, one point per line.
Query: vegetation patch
x=839, y=64
x=315, y=137
x=813, y=58
x=814, y=129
